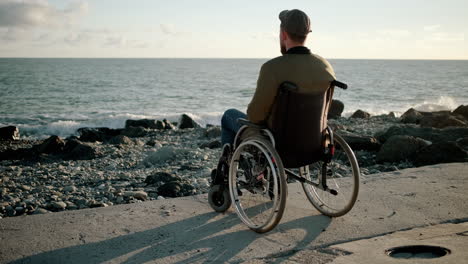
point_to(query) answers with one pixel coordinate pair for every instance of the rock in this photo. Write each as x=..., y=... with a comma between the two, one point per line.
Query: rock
x=146, y=123
x=160, y=178
x=462, y=110
x=213, y=132
x=411, y=116
x=58, y=205
x=76, y=150
x=41, y=211
x=336, y=109
x=70, y=189
x=134, y=132
x=160, y=124
x=441, y=152
x=9, y=133
x=10, y=211
x=20, y=210
x=175, y=189
x=102, y=134
x=96, y=204
x=25, y=187
x=400, y=148
x=426, y=133
x=168, y=124
x=52, y=145
x=140, y=195
x=212, y=144
x=357, y=142
x=360, y=114
x=163, y=154
x=442, y=121
x=463, y=143
x=187, y=122
x=120, y=140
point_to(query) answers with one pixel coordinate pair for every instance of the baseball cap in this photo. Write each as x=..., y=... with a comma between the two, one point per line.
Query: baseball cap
x=295, y=22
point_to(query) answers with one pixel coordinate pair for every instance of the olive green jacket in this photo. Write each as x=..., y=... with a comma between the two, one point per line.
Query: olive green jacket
x=310, y=72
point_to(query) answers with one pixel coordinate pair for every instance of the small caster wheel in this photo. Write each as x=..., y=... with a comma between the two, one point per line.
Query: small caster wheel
x=219, y=198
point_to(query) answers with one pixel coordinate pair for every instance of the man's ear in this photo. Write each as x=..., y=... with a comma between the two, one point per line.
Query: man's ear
x=283, y=35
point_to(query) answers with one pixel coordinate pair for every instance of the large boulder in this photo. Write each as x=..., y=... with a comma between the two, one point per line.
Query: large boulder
x=146, y=123
x=360, y=114
x=411, y=116
x=463, y=143
x=426, y=133
x=76, y=150
x=211, y=144
x=462, y=110
x=52, y=145
x=134, y=132
x=336, y=109
x=357, y=142
x=159, y=178
x=187, y=122
x=88, y=134
x=9, y=133
x=175, y=189
x=120, y=140
x=399, y=148
x=442, y=120
x=441, y=152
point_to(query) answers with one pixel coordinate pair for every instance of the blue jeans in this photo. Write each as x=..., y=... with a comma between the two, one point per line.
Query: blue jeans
x=229, y=125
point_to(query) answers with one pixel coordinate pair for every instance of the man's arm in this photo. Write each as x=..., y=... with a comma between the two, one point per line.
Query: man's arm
x=264, y=97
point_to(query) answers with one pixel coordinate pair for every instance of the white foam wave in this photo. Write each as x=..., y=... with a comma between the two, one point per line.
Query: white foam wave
x=443, y=103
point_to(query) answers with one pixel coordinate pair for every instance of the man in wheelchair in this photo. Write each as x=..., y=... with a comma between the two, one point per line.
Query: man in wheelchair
x=309, y=72
x=285, y=129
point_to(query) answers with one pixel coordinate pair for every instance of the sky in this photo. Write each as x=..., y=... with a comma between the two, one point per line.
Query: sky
x=359, y=29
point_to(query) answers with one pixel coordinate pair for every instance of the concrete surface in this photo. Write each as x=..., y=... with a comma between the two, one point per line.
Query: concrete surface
x=186, y=230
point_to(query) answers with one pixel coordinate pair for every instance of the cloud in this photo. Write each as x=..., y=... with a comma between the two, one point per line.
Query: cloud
x=119, y=41
x=394, y=33
x=38, y=13
x=75, y=39
x=447, y=37
x=431, y=27
x=170, y=29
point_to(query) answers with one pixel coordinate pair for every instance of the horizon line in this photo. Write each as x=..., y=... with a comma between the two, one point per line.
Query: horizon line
x=228, y=58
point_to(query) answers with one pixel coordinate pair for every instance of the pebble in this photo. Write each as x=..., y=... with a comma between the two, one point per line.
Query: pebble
x=59, y=205
x=70, y=188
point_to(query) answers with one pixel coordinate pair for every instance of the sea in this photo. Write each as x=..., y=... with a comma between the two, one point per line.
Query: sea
x=57, y=96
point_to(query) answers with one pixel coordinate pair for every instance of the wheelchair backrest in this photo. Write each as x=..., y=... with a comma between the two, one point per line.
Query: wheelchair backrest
x=299, y=123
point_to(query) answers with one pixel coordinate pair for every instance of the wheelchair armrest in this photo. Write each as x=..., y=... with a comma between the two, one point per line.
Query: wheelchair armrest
x=245, y=122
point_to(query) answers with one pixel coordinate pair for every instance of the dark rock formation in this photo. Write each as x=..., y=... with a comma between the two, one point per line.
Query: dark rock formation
x=134, y=132
x=462, y=110
x=120, y=140
x=213, y=132
x=336, y=109
x=400, y=148
x=146, y=123
x=187, y=122
x=411, y=116
x=175, y=189
x=161, y=177
x=360, y=114
x=442, y=120
x=441, y=152
x=426, y=133
x=357, y=142
x=102, y=134
x=76, y=150
x=9, y=133
x=52, y=145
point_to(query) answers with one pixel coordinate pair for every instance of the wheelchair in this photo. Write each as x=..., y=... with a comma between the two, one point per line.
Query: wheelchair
x=253, y=173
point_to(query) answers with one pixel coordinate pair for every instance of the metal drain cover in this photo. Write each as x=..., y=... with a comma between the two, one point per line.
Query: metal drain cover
x=417, y=252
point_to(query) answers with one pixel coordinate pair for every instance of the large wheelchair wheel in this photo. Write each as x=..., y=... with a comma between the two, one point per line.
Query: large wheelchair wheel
x=257, y=184
x=342, y=175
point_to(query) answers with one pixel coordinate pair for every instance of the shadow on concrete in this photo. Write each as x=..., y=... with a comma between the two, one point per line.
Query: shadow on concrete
x=194, y=239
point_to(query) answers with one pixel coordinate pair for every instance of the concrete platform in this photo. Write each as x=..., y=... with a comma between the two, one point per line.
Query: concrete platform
x=186, y=230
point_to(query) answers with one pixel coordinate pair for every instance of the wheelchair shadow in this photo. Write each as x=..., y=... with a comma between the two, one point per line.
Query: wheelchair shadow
x=194, y=239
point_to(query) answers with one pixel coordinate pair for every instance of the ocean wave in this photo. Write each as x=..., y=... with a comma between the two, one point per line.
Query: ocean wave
x=65, y=128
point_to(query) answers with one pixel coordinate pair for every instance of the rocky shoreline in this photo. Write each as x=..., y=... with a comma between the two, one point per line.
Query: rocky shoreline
x=154, y=159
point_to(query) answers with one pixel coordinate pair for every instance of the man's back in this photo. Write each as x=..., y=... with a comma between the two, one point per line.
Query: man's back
x=311, y=73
